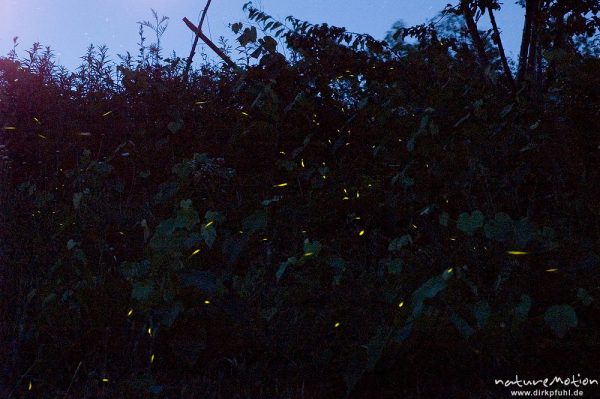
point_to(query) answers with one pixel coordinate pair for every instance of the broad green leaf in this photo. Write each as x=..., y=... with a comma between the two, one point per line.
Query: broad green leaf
x=201, y=280
x=500, y=228
x=142, y=290
x=560, y=318
x=522, y=309
x=584, y=296
x=481, y=311
x=470, y=223
x=444, y=219
x=176, y=126
x=398, y=243
x=256, y=221
x=135, y=270
x=284, y=265
x=461, y=325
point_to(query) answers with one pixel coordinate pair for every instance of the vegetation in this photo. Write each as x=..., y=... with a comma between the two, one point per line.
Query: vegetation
x=334, y=216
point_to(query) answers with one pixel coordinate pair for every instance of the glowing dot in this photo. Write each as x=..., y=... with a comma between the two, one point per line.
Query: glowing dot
x=336, y=325
x=130, y=312
x=345, y=198
x=245, y=113
x=361, y=233
x=152, y=359
x=105, y=380
x=207, y=302
x=324, y=177
x=357, y=194
x=150, y=331
x=401, y=304
x=517, y=253
x=450, y=270
x=265, y=239
x=281, y=185
x=414, y=226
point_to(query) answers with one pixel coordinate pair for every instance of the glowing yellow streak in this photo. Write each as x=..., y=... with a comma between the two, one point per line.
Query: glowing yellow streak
x=517, y=253
x=30, y=386
x=280, y=185
x=401, y=304
x=37, y=121
x=150, y=331
x=245, y=113
x=152, y=359
x=42, y=136
x=200, y=102
x=336, y=325
x=450, y=270
x=345, y=198
x=10, y=128
x=84, y=134
x=105, y=380
x=130, y=312
x=210, y=223
x=207, y=302
x=309, y=254
x=196, y=252
x=107, y=113
x=361, y=233
x=552, y=270
x=302, y=162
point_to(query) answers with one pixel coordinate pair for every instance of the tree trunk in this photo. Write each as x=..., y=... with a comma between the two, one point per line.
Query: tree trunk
x=474, y=33
x=507, y=71
x=525, y=41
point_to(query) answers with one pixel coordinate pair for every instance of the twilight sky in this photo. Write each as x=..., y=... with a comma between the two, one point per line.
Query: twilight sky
x=69, y=26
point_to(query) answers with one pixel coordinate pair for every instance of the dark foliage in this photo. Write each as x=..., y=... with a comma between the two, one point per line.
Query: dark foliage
x=355, y=218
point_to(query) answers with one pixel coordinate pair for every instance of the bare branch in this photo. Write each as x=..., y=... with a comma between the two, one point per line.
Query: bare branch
x=188, y=64
x=210, y=44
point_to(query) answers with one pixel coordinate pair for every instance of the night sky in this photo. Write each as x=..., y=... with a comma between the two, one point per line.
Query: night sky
x=69, y=26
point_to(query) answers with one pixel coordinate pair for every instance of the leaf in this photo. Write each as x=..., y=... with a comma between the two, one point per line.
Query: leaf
x=209, y=234
x=584, y=296
x=169, y=313
x=142, y=290
x=201, y=280
x=256, y=221
x=481, y=311
x=470, y=223
x=500, y=228
x=398, y=243
x=461, y=325
x=71, y=244
x=77, y=200
x=248, y=36
x=560, y=318
x=284, y=265
x=392, y=265
x=135, y=270
x=522, y=309
x=428, y=290
x=444, y=219
x=176, y=126
x=312, y=247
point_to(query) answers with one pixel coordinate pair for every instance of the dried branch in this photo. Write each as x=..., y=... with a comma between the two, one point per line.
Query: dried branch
x=188, y=64
x=198, y=31
x=507, y=71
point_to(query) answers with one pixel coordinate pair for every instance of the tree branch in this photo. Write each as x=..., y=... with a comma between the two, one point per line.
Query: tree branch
x=210, y=44
x=474, y=33
x=188, y=64
x=507, y=71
